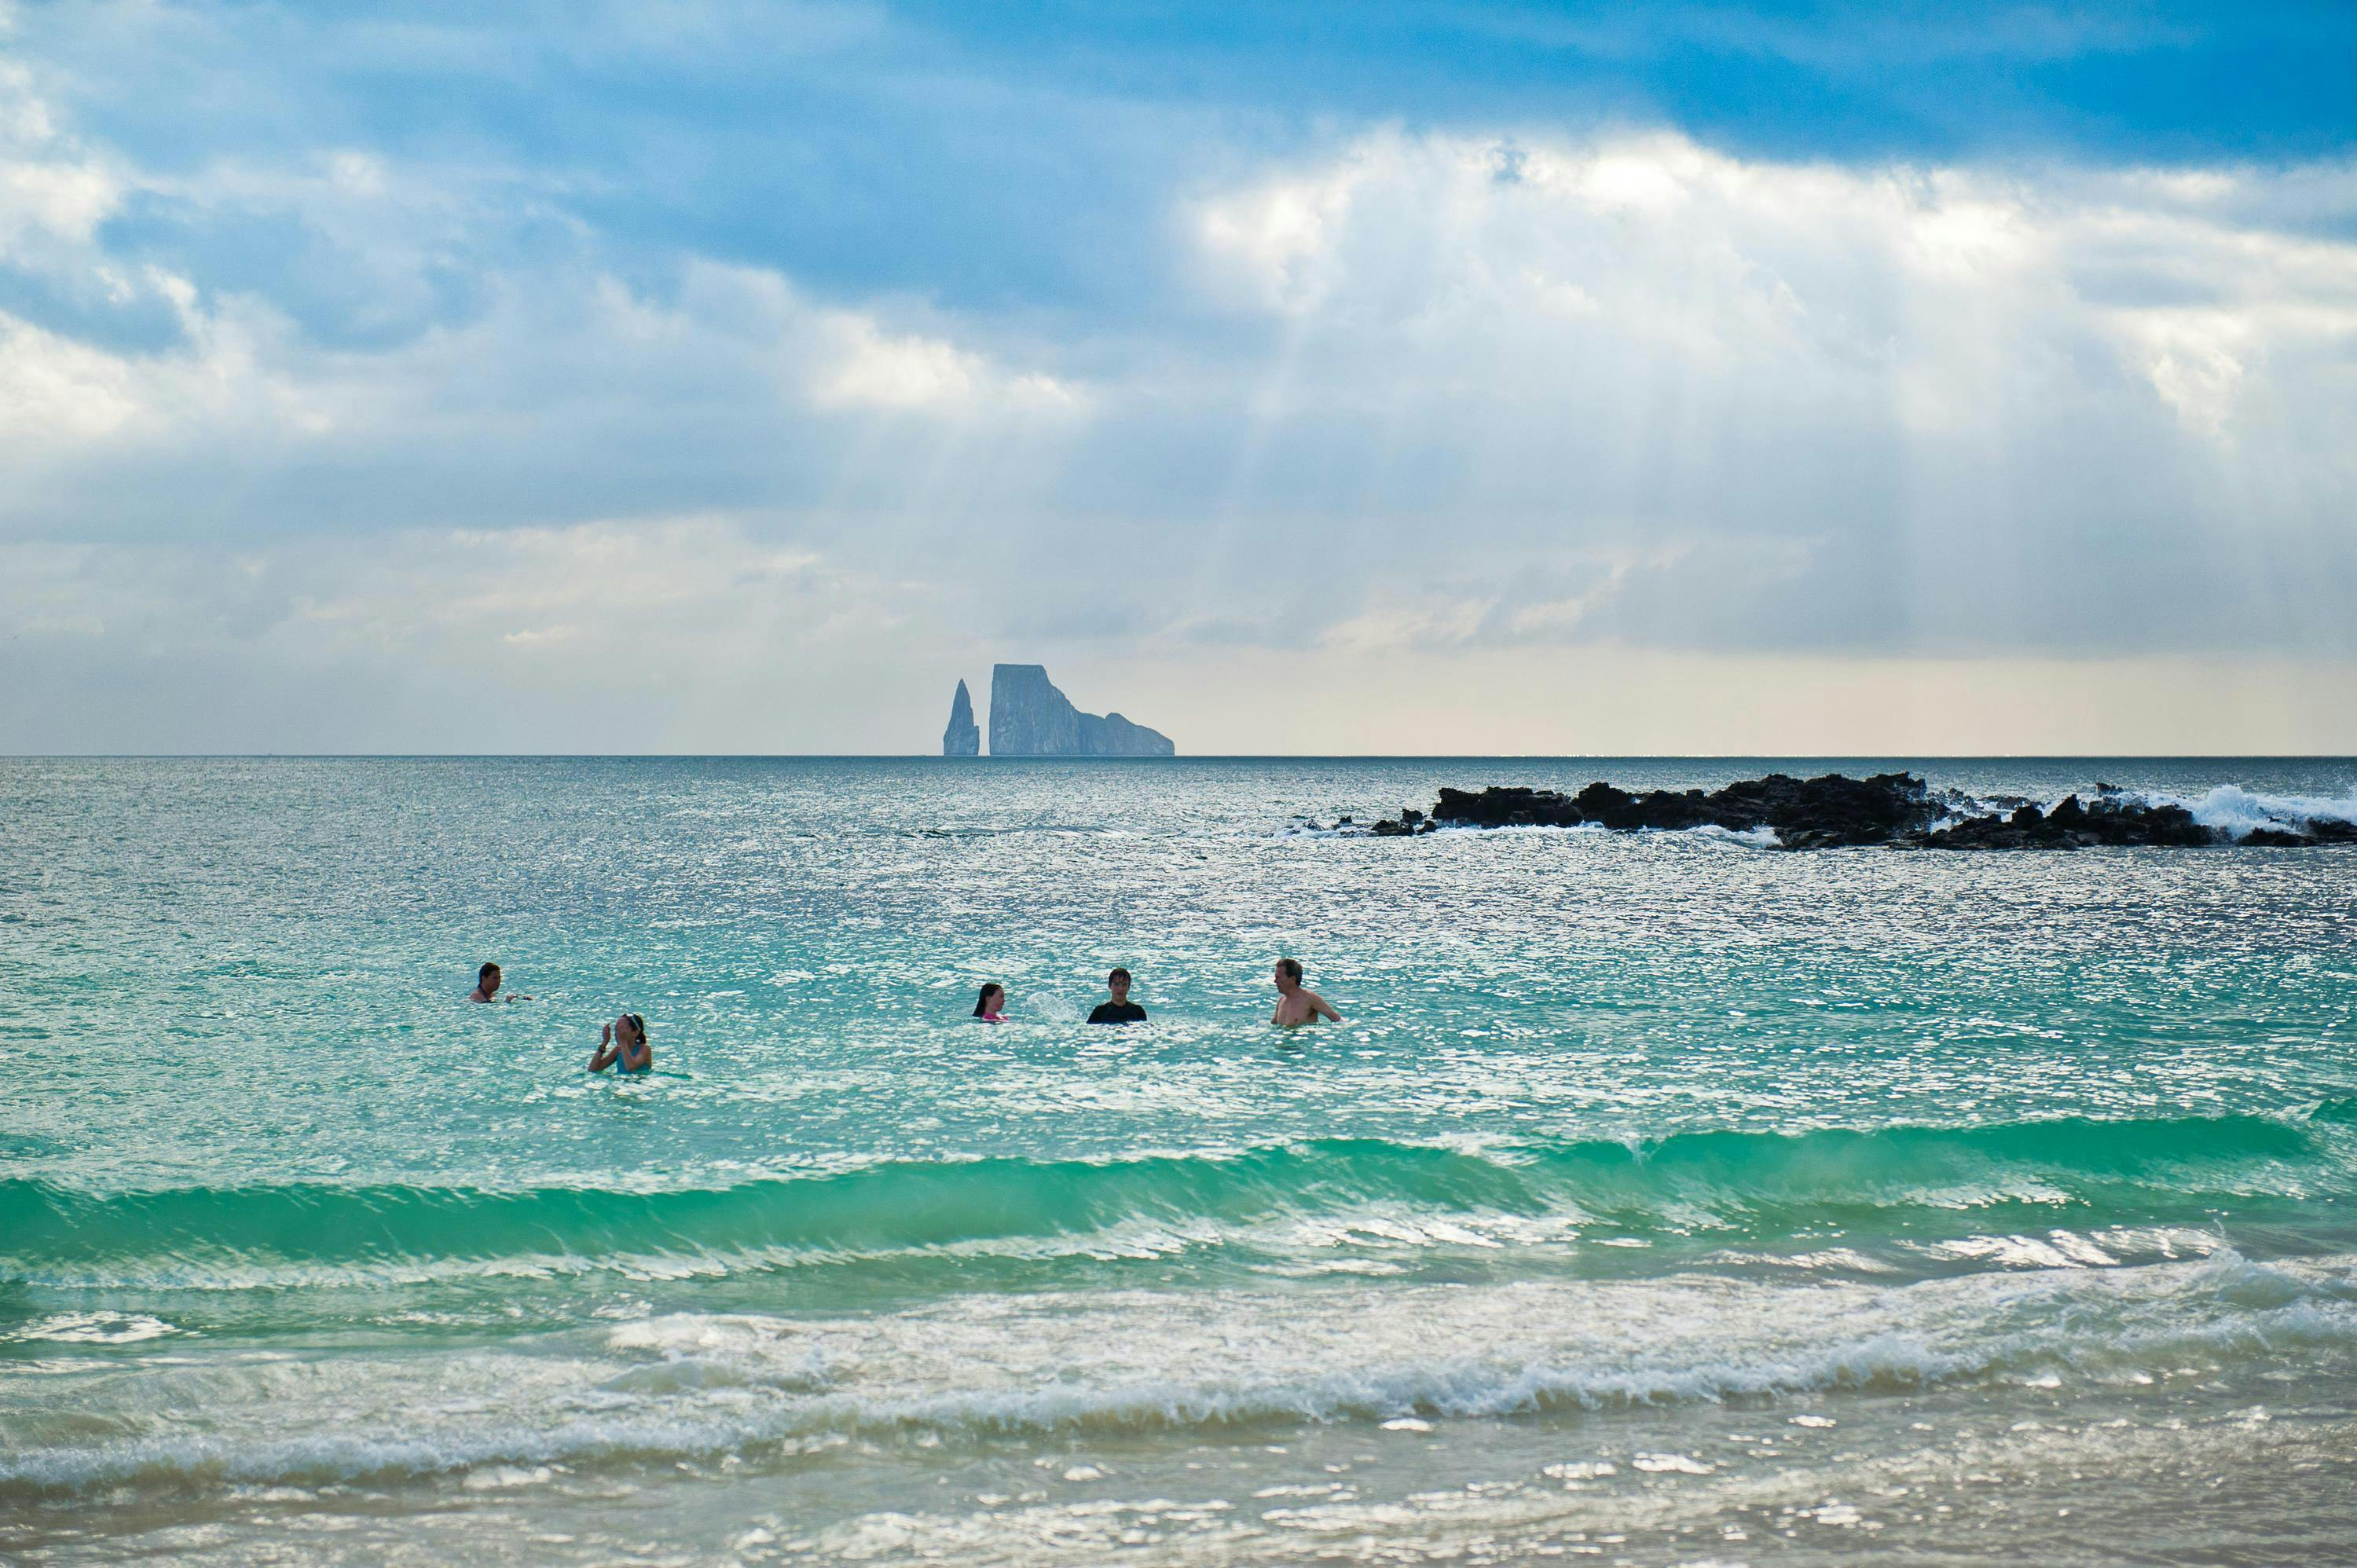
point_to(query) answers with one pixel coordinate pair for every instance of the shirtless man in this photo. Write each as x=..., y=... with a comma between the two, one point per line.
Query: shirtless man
x=487, y=985
x=1295, y=1006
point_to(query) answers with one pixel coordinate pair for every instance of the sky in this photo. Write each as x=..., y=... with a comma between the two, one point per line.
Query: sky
x=1345, y=379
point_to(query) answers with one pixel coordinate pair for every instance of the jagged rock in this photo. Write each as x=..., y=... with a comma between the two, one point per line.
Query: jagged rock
x=1818, y=812
x=964, y=737
x=1838, y=811
x=1029, y=717
x=2112, y=819
x=2321, y=831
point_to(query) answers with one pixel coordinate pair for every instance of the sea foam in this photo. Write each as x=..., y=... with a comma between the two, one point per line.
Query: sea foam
x=683, y=1387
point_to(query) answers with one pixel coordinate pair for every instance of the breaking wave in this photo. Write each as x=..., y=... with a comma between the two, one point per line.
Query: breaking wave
x=2238, y=813
x=1743, y=1182
x=689, y=1386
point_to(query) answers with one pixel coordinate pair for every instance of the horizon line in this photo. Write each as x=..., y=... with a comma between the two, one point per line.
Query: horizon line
x=1201, y=756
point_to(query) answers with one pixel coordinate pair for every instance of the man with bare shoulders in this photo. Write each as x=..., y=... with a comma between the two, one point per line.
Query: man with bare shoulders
x=1294, y=1004
x=487, y=985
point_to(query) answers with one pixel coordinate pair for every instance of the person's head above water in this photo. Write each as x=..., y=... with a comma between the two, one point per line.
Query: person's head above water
x=1295, y=1002
x=991, y=1002
x=1119, y=1009
x=486, y=983
x=622, y=1045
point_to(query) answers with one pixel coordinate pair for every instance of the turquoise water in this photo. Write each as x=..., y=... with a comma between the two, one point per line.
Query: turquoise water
x=1661, y=1198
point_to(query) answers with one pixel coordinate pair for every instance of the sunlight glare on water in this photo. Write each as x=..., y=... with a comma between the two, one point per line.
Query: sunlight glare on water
x=1664, y=1195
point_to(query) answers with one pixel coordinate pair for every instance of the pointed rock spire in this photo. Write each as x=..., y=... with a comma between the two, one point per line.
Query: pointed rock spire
x=964, y=737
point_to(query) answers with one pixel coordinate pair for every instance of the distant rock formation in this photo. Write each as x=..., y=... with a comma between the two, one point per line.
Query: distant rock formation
x=1835, y=812
x=964, y=737
x=1028, y=718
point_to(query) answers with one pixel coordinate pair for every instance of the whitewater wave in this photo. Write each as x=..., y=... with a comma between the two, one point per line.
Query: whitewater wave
x=1745, y=1184
x=2238, y=813
x=1762, y=837
x=2229, y=810
x=688, y=1387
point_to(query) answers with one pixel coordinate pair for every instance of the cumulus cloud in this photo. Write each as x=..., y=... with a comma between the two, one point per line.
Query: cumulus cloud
x=1950, y=409
x=422, y=424
x=51, y=193
x=564, y=392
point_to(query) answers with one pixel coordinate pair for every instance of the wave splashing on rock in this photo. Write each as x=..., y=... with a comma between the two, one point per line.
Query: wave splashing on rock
x=1837, y=811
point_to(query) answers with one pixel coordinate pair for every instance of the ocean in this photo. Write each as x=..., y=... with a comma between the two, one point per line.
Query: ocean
x=1662, y=1199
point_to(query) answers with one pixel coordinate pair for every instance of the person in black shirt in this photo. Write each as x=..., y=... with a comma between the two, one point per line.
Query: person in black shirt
x=1121, y=1009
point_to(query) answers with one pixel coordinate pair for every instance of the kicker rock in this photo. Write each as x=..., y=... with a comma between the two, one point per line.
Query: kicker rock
x=1028, y=718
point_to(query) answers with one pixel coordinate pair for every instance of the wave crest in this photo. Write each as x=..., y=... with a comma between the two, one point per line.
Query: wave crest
x=1744, y=1182
x=2236, y=813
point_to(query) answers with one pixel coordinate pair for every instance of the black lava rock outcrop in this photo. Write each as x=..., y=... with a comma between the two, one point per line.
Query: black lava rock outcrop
x=1838, y=811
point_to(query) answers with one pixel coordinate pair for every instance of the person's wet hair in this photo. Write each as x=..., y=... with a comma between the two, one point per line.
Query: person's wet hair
x=637, y=1025
x=1291, y=967
x=486, y=972
x=981, y=1002
x=1120, y=974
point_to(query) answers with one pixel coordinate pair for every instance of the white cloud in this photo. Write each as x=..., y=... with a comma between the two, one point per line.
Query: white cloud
x=1442, y=397
x=53, y=194
x=2075, y=408
x=574, y=373
x=865, y=366
x=1273, y=233
x=874, y=371
x=352, y=350
x=54, y=391
x=67, y=200
x=1449, y=256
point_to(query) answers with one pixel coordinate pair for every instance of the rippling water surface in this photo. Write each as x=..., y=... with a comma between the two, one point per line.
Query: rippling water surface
x=1662, y=1199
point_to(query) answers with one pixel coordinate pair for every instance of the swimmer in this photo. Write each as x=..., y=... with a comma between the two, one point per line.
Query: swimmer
x=487, y=985
x=1295, y=1006
x=622, y=1045
x=1121, y=1009
x=988, y=1006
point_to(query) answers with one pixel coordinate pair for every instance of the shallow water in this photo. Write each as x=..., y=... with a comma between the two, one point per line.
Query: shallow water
x=1664, y=1198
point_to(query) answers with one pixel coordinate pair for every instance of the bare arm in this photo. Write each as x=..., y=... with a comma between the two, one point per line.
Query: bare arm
x=1319, y=1006
x=606, y=1054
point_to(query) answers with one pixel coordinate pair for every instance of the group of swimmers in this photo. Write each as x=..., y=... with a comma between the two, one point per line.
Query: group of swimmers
x=623, y=1044
x=1296, y=1004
